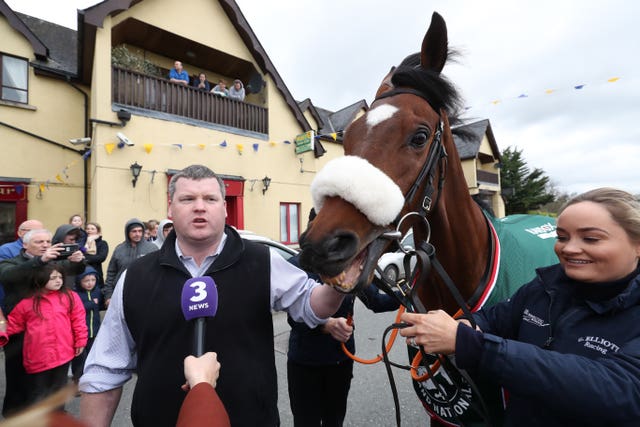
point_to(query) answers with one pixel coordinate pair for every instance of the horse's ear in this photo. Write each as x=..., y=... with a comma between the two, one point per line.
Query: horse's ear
x=433, y=54
x=386, y=83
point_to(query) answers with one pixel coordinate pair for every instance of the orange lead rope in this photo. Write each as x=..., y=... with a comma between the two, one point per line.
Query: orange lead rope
x=378, y=357
x=417, y=359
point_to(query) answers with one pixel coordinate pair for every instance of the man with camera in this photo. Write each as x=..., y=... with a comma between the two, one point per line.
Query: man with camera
x=15, y=275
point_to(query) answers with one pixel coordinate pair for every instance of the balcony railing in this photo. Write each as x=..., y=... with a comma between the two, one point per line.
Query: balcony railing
x=155, y=94
x=487, y=177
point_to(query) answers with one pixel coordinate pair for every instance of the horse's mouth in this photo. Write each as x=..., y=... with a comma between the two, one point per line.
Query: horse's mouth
x=359, y=273
x=347, y=280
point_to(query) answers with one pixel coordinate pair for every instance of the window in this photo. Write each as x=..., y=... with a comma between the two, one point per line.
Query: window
x=289, y=222
x=14, y=79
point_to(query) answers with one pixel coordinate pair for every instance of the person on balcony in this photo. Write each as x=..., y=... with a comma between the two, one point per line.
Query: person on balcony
x=237, y=90
x=178, y=75
x=220, y=89
x=201, y=83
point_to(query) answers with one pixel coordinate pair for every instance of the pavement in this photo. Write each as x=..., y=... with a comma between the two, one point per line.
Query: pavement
x=370, y=399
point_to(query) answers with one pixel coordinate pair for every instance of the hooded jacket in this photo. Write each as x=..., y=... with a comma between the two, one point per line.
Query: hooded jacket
x=160, y=237
x=92, y=300
x=124, y=254
x=237, y=93
x=564, y=357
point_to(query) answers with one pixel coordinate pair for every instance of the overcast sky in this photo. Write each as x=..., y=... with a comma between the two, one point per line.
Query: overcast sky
x=335, y=52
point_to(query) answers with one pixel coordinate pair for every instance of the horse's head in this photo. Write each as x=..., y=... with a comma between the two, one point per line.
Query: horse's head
x=387, y=165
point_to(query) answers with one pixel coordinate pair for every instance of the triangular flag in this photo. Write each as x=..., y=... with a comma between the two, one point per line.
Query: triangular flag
x=255, y=147
x=496, y=102
x=240, y=148
x=86, y=154
x=148, y=148
x=523, y=95
x=223, y=143
x=334, y=135
x=548, y=91
x=201, y=146
x=578, y=87
x=59, y=178
x=287, y=142
x=19, y=189
x=179, y=146
x=272, y=143
x=109, y=147
x=613, y=79
x=41, y=187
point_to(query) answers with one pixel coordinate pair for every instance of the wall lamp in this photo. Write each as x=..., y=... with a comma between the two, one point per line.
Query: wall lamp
x=266, y=182
x=135, y=172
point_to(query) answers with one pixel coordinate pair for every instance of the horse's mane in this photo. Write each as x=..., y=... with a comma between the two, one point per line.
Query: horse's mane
x=436, y=88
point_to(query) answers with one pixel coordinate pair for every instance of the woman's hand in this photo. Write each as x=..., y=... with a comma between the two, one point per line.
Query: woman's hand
x=338, y=328
x=434, y=331
x=205, y=368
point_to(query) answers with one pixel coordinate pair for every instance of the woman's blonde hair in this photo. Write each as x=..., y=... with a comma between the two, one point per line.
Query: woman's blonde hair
x=623, y=207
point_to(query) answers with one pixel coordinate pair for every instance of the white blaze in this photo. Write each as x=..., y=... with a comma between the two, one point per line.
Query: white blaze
x=380, y=114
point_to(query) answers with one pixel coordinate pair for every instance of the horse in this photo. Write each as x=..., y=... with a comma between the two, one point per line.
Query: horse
x=401, y=170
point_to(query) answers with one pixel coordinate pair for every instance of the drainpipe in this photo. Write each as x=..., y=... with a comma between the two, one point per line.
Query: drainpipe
x=85, y=160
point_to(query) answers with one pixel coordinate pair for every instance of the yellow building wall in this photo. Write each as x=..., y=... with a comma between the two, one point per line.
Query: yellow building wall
x=55, y=111
x=114, y=200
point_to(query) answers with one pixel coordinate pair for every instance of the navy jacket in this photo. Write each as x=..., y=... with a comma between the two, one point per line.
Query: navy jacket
x=312, y=346
x=565, y=357
x=92, y=300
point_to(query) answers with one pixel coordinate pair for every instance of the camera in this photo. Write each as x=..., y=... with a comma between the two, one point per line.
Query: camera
x=67, y=250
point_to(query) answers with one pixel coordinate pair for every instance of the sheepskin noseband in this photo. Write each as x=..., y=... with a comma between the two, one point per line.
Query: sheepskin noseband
x=363, y=185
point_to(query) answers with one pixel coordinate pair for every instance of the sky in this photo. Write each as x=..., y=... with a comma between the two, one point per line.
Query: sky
x=519, y=65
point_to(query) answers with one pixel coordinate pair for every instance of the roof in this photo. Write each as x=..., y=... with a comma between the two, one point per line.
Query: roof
x=62, y=44
x=329, y=121
x=468, y=139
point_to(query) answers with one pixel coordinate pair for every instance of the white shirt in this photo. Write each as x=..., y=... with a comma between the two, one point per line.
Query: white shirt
x=112, y=359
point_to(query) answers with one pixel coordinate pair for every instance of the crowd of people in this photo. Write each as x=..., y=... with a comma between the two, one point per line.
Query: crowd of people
x=566, y=346
x=178, y=75
x=54, y=292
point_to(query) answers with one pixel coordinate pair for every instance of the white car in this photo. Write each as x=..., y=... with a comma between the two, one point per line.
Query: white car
x=391, y=263
x=285, y=251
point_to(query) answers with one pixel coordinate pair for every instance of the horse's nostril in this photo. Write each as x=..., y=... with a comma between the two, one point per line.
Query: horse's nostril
x=340, y=246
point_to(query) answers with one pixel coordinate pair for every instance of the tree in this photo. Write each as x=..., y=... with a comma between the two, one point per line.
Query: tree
x=522, y=189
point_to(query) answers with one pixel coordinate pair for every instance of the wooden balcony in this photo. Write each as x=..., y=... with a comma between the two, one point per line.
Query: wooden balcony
x=156, y=94
x=485, y=177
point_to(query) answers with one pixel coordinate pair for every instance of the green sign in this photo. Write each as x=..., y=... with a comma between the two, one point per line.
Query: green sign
x=304, y=142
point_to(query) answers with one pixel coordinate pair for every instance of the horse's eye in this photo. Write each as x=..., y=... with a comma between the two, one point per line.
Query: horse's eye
x=420, y=138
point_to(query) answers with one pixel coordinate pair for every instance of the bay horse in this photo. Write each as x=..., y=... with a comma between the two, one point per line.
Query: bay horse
x=400, y=160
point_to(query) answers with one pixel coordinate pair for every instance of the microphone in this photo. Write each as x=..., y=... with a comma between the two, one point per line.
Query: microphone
x=199, y=300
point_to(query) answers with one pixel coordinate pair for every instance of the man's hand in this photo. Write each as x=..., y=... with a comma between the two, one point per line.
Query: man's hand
x=51, y=253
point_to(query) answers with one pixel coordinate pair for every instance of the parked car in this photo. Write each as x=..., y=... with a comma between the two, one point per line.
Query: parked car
x=285, y=251
x=391, y=263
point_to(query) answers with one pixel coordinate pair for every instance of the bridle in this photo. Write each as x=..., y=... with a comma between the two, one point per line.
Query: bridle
x=437, y=154
x=425, y=254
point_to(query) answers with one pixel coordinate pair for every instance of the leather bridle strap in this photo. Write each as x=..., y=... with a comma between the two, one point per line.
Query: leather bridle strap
x=436, y=153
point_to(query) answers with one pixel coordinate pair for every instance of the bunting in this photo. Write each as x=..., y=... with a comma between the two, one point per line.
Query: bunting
x=549, y=91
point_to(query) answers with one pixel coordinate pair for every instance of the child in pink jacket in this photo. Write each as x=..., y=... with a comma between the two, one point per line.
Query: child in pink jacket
x=53, y=320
